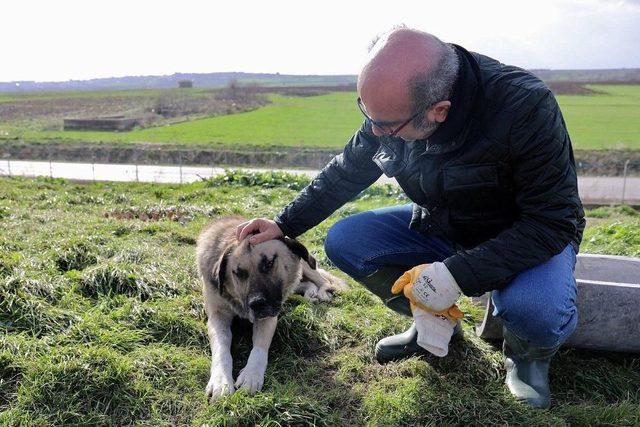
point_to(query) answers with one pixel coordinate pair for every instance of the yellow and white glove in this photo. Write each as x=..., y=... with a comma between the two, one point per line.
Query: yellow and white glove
x=432, y=292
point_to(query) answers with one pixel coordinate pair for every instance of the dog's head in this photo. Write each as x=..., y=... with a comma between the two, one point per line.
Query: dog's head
x=262, y=276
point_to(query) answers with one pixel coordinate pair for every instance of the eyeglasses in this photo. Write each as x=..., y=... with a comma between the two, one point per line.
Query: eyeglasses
x=386, y=129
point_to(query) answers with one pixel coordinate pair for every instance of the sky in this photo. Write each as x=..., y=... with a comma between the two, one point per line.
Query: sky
x=66, y=39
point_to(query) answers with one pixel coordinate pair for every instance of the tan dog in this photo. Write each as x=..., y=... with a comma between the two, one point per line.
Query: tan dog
x=251, y=281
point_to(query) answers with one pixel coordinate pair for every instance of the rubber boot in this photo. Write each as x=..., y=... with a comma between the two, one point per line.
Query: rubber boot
x=404, y=345
x=380, y=283
x=527, y=370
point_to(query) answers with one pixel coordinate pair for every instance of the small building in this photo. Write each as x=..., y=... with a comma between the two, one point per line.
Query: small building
x=185, y=84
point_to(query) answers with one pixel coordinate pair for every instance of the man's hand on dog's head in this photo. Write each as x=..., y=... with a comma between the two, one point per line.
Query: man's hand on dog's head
x=263, y=229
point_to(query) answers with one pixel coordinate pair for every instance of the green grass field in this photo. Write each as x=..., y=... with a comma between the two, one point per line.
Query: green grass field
x=101, y=323
x=609, y=120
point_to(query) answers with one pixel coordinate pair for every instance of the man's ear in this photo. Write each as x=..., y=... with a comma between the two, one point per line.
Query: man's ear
x=219, y=271
x=439, y=112
x=300, y=250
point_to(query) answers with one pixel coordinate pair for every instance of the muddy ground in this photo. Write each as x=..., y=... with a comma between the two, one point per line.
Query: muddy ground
x=570, y=88
x=156, y=108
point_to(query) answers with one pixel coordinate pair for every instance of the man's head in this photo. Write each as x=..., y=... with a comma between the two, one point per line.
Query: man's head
x=410, y=74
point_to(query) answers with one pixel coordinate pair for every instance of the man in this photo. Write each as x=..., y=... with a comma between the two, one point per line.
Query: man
x=482, y=150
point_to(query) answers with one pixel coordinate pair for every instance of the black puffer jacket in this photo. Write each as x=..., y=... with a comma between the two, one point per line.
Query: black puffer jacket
x=497, y=177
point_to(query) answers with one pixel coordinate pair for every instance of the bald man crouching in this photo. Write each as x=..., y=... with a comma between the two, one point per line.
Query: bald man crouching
x=483, y=152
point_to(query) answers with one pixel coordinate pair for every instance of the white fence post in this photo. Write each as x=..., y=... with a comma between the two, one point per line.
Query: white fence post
x=135, y=156
x=624, y=179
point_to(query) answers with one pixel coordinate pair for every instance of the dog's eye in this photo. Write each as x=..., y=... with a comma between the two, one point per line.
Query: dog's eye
x=241, y=273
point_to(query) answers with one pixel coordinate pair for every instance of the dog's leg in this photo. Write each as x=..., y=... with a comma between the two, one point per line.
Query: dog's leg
x=251, y=377
x=327, y=284
x=221, y=381
x=309, y=290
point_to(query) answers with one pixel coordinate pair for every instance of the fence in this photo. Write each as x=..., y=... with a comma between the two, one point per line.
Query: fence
x=116, y=172
x=593, y=189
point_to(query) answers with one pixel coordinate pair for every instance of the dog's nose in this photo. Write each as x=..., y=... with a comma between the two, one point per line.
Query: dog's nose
x=262, y=308
x=269, y=312
x=257, y=304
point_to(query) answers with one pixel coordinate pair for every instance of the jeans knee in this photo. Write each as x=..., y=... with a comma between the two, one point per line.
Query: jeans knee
x=544, y=325
x=333, y=242
x=549, y=332
x=539, y=304
x=336, y=247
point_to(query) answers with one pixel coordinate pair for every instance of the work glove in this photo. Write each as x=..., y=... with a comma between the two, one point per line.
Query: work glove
x=430, y=287
x=434, y=331
x=432, y=292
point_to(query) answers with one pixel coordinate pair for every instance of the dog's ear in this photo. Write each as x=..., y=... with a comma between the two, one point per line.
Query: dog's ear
x=300, y=250
x=219, y=271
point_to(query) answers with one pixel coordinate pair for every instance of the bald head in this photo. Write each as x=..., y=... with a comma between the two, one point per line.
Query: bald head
x=397, y=57
x=397, y=60
x=394, y=61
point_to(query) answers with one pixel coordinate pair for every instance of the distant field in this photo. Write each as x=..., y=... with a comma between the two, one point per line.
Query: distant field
x=609, y=119
x=321, y=121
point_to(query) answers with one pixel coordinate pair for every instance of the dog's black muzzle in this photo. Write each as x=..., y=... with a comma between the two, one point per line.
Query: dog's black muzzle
x=261, y=306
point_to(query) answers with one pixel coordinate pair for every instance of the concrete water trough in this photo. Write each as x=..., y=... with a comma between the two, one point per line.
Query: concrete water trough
x=608, y=305
x=112, y=123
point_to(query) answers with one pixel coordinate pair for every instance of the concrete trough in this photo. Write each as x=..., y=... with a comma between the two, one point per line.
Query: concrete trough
x=100, y=123
x=608, y=305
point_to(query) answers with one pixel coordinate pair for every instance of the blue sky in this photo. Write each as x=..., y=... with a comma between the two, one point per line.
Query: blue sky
x=65, y=39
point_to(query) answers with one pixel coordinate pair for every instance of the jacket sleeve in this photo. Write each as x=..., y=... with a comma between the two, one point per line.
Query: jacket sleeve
x=546, y=195
x=342, y=179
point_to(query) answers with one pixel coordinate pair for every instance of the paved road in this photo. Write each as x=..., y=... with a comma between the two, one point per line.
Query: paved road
x=593, y=190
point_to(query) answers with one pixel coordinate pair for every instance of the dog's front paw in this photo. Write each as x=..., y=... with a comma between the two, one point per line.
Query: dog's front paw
x=218, y=389
x=325, y=294
x=251, y=377
x=250, y=380
x=311, y=294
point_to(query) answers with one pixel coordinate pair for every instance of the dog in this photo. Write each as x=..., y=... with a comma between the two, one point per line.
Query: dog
x=251, y=282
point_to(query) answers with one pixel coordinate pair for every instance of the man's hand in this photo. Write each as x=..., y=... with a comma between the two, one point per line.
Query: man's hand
x=267, y=230
x=432, y=288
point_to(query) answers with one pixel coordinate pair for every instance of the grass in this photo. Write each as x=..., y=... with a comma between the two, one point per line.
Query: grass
x=607, y=120
x=101, y=323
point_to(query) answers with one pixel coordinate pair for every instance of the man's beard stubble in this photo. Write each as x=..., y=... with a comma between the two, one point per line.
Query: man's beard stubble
x=428, y=128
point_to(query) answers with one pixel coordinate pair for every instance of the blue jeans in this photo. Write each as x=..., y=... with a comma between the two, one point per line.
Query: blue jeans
x=538, y=305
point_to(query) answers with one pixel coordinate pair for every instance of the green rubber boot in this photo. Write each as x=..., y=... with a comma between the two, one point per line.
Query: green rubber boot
x=380, y=283
x=527, y=370
x=404, y=345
